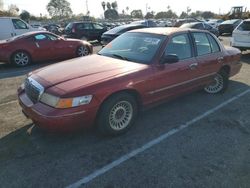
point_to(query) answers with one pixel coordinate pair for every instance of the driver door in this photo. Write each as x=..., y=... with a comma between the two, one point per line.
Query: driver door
x=44, y=48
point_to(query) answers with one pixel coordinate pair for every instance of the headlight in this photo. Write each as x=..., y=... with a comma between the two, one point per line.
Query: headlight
x=65, y=102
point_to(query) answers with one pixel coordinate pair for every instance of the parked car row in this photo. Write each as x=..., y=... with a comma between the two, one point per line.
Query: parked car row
x=41, y=46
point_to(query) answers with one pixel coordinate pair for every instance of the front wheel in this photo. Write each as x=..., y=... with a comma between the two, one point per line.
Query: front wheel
x=117, y=114
x=219, y=85
x=21, y=59
x=82, y=51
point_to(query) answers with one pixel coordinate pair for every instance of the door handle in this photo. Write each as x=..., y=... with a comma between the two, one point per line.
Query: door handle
x=220, y=59
x=193, y=66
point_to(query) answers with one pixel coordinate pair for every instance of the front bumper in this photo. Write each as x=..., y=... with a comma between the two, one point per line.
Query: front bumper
x=57, y=120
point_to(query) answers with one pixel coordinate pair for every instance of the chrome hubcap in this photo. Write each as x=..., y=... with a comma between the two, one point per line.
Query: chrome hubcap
x=82, y=51
x=21, y=59
x=216, y=86
x=120, y=115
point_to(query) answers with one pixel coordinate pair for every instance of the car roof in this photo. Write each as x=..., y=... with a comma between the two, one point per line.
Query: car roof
x=164, y=30
x=117, y=29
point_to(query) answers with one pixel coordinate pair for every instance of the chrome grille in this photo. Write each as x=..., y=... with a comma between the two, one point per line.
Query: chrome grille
x=33, y=89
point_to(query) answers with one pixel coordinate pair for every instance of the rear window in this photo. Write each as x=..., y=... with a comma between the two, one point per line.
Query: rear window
x=244, y=26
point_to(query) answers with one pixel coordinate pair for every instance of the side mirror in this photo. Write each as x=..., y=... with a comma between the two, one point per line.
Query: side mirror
x=171, y=58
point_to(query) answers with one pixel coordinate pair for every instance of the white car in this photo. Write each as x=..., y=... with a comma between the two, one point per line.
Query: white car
x=11, y=26
x=241, y=36
x=215, y=22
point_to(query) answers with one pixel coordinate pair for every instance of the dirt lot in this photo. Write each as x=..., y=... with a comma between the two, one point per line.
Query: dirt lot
x=212, y=152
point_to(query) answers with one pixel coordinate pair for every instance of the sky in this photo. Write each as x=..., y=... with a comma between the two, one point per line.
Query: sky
x=95, y=8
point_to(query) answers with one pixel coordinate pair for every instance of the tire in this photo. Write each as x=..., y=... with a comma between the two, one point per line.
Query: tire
x=82, y=51
x=219, y=85
x=117, y=114
x=20, y=59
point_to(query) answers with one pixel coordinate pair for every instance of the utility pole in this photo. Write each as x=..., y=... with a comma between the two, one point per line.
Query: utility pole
x=87, y=7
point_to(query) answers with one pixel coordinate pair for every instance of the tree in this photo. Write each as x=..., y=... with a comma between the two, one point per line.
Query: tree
x=136, y=14
x=207, y=14
x=168, y=14
x=59, y=9
x=25, y=15
x=183, y=15
x=103, y=5
x=149, y=15
x=114, y=5
x=108, y=5
x=111, y=14
x=127, y=9
x=13, y=9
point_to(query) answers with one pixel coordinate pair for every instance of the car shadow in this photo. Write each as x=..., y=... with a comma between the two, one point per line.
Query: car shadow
x=10, y=71
x=30, y=156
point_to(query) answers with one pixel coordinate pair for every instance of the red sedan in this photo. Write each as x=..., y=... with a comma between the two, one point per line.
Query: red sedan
x=139, y=68
x=41, y=46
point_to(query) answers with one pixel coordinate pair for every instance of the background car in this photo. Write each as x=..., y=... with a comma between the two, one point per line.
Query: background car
x=228, y=26
x=12, y=26
x=241, y=36
x=140, y=68
x=54, y=28
x=115, y=32
x=215, y=22
x=41, y=46
x=201, y=26
x=180, y=22
x=85, y=30
x=147, y=23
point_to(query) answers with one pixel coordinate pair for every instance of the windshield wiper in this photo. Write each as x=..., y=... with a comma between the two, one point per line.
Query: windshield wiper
x=120, y=57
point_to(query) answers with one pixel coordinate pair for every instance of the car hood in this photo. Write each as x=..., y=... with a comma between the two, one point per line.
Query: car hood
x=85, y=71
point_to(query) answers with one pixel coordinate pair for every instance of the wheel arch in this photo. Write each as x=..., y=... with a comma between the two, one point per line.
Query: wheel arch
x=129, y=91
x=226, y=69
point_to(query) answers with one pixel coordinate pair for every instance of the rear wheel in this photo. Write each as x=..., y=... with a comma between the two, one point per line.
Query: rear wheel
x=219, y=85
x=82, y=51
x=21, y=59
x=117, y=114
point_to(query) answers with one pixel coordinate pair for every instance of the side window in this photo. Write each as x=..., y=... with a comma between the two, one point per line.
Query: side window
x=51, y=37
x=19, y=24
x=97, y=26
x=202, y=44
x=82, y=26
x=214, y=45
x=180, y=46
x=40, y=37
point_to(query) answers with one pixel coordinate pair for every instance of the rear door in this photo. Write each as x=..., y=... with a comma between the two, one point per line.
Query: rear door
x=6, y=30
x=242, y=32
x=208, y=55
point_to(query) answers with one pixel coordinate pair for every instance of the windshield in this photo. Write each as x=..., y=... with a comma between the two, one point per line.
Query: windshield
x=137, y=47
